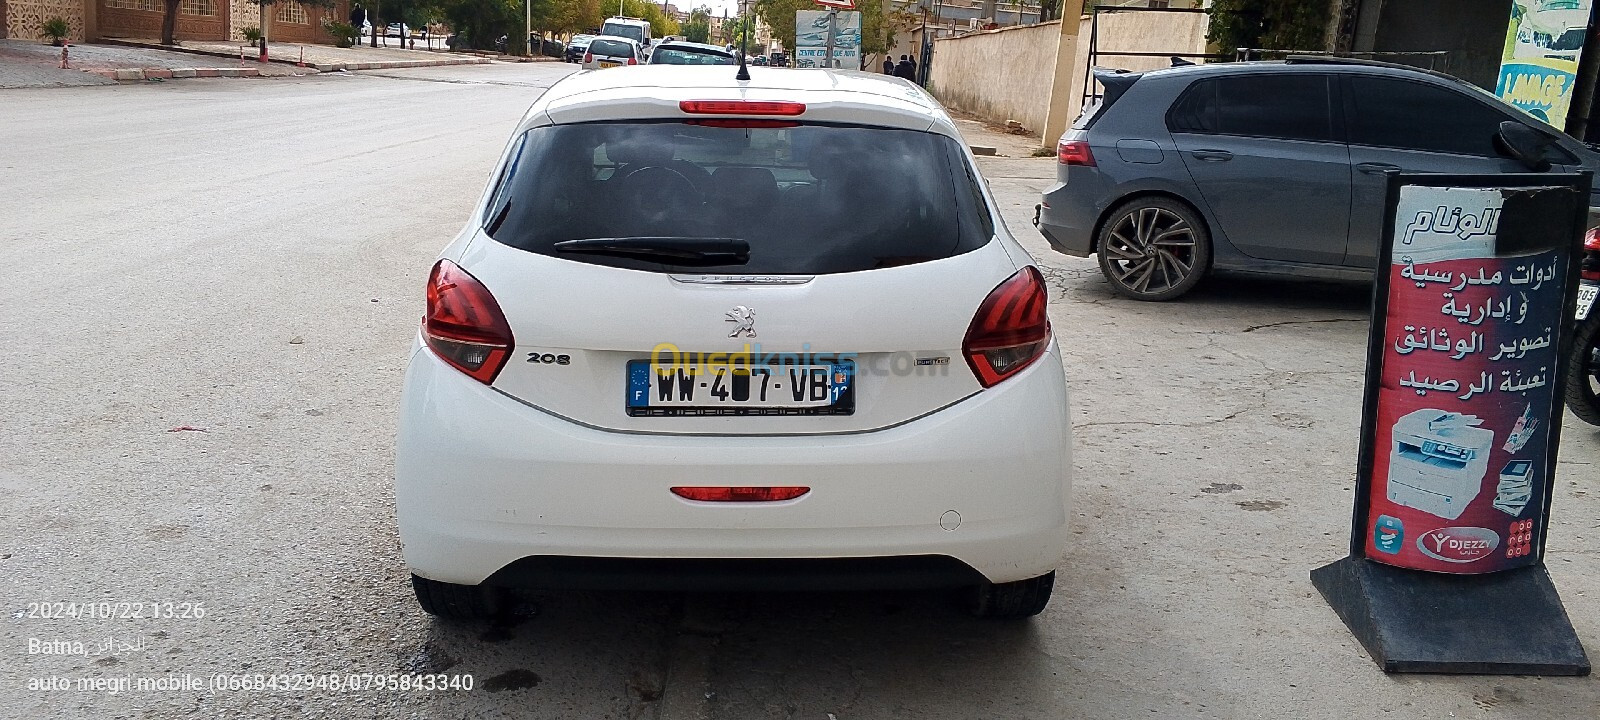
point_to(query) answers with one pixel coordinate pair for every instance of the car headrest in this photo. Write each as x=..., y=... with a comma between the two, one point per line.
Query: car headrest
x=639, y=151
x=744, y=187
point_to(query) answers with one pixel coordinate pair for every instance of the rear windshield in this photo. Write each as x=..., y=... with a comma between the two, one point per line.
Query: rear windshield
x=689, y=56
x=808, y=199
x=632, y=32
x=610, y=48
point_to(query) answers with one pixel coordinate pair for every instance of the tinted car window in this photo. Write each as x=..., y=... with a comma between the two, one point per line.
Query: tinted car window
x=1291, y=106
x=670, y=55
x=610, y=48
x=1196, y=109
x=632, y=32
x=1388, y=112
x=808, y=199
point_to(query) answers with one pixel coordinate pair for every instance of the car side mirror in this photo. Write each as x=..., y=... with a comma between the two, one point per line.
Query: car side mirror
x=1523, y=144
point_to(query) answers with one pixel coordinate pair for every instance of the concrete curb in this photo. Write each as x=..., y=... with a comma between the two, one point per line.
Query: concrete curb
x=292, y=60
x=137, y=74
x=387, y=65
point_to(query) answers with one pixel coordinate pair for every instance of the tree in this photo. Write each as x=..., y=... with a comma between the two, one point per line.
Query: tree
x=574, y=16
x=733, y=30
x=1268, y=24
x=698, y=28
x=779, y=15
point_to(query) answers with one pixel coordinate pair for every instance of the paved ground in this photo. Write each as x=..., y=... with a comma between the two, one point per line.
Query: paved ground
x=239, y=274
x=32, y=64
x=323, y=57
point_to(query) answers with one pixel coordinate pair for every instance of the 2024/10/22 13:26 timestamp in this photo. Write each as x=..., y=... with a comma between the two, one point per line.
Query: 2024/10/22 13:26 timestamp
x=113, y=610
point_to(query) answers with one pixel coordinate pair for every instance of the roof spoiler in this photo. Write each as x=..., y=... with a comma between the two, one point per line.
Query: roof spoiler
x=1115, y=81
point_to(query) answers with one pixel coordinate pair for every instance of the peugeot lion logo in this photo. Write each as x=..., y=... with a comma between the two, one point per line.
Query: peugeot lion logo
x=746, y=317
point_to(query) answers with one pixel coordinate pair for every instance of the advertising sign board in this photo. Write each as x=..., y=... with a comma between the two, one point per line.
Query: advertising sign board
x=811, y=39
x=1471, y=317
x=1540, y=62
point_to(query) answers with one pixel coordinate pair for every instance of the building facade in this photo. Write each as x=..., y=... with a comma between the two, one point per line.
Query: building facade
x=286, y=20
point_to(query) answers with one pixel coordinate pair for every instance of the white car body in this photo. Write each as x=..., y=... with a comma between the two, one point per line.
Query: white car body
x=629, y=28
x=596, y=56
x=543, y=462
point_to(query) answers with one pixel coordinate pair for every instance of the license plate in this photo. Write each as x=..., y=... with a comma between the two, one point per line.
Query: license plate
x=610, y=65
x=1586, y=293
x=699, y=389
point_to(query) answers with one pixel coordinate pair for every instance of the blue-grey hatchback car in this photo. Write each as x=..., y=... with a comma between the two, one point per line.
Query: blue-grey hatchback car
x=1267, y=167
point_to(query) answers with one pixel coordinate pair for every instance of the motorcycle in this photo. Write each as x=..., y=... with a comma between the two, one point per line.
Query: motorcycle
x=1583, y=370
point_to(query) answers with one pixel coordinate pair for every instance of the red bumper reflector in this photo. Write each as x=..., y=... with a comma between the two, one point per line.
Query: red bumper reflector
x=739, y=494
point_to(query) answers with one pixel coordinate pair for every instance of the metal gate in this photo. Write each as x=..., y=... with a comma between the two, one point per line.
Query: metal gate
x=1090, y=92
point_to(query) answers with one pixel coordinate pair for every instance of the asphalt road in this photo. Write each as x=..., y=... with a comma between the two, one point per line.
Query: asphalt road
x=211, y=288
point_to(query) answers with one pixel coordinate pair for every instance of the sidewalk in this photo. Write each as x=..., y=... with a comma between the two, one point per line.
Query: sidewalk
x=321, y=58
x=25, y=63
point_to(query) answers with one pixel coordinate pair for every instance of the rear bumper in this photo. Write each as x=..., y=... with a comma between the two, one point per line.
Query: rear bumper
x=483, y=482
x=1067, y=218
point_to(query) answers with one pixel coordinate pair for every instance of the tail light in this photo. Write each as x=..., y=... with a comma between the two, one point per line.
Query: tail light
x=633, y=61
x=739, y=494
x=1074, y=152
x=464, y=325
x=741, y=107
x=1011, y=329
x=1589, y=266
x=588, y=57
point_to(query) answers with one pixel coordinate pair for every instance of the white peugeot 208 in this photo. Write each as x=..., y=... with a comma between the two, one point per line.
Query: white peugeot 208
x=703, y=333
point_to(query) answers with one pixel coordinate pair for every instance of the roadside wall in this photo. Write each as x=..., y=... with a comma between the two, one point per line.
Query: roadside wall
x=1007, y=74
x=24, y=18
x=1160, y=32
x=999, y=75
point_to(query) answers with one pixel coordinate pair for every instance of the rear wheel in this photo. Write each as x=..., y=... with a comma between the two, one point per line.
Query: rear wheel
x=1153, y=248
x=457, y=602
x=1583, y=373
x=1020, y=599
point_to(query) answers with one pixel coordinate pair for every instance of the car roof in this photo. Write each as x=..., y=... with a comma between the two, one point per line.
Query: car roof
x=627, y=21
x=617, y=38
x=1302, y=64
x=655, y=91
x=694, y=45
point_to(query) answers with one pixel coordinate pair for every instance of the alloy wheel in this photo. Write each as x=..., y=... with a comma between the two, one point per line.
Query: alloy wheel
x=1151, y=250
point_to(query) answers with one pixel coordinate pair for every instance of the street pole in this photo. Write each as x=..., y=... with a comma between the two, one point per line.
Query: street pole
x=827, y=53
x=527, y=33
x=263, y=55
x=374, y=21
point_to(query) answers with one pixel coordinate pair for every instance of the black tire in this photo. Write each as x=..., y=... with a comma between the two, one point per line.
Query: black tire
x=1583, y=373
x=1020, y=599
x=458, y=602
x=1153, y=248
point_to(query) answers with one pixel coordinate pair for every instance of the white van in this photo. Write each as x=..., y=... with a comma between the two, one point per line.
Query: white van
x=632, y=28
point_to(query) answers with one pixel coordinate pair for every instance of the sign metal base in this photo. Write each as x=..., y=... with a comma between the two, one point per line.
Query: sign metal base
x=1505, y=623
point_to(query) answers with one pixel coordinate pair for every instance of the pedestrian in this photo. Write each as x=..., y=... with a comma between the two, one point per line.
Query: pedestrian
x=911, y=72
x=888, y=65
x=904, y=68
x=358, y=20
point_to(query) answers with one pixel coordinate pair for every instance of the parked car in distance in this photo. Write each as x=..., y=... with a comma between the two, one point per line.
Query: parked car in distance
x=759, y=60
x=577, y=47
x=398, y=30
x=634, y=29
x=683, y=52
x=606, y=51
x=643, y=231
x=778, y=59
x=1268, y=167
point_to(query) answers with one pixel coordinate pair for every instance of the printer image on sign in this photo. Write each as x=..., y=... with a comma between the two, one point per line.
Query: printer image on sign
x=1438, y=462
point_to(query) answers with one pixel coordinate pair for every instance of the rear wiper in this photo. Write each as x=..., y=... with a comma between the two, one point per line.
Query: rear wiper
x=671, y=250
